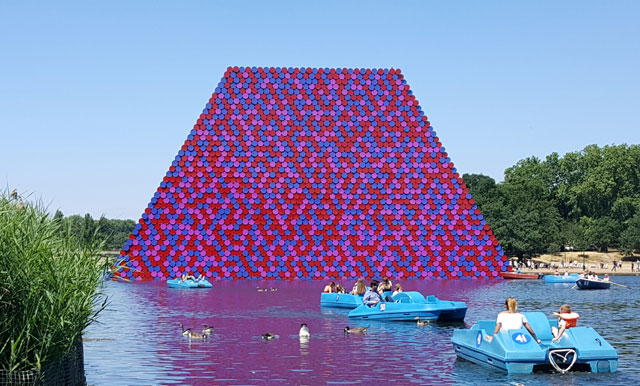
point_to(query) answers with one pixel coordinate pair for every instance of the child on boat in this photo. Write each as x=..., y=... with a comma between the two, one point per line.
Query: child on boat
x=566, y=320
x=397, y=289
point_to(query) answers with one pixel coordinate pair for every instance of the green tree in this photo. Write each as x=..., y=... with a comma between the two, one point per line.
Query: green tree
x=481, y=187
x=601, y=231
x=600, y=177
x=572, y=235
x=88, y=229
x=630, y=237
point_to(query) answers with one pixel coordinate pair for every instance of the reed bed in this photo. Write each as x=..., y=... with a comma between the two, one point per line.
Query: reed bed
x=50, y=286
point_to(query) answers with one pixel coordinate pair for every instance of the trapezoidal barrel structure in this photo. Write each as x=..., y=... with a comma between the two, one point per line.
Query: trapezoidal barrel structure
x=312, y=173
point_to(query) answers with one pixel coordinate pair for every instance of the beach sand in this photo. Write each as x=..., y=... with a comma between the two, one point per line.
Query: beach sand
x=592, y=261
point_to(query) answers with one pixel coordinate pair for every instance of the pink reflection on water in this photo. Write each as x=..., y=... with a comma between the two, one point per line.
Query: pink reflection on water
x=241, y=313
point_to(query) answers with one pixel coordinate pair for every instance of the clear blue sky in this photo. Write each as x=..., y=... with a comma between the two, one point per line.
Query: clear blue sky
x=97, y=97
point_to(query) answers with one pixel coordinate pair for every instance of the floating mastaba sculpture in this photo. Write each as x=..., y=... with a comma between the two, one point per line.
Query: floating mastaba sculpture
x=312, y=173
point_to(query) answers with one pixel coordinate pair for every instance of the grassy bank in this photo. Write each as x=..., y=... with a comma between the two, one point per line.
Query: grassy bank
x=50, y=286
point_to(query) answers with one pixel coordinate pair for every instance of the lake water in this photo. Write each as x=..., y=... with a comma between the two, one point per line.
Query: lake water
x=138, y=340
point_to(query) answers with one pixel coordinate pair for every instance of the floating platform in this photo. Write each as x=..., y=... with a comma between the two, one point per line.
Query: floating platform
x=588, y=284
x=523, y=276
x=557, y=279
x=408, y=306
x=515, y=351
x=340, y=300
x=178, y=283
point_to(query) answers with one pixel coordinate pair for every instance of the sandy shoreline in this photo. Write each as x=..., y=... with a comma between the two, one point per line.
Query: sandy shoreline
x=625, y=271
x=591, y=260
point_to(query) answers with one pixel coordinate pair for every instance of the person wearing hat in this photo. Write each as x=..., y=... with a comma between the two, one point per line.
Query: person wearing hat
x=372, y=297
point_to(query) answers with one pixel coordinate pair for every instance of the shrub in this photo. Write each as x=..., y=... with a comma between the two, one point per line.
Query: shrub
x=50, y=286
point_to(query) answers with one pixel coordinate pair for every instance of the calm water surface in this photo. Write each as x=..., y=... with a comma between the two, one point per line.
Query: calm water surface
x=138, y=341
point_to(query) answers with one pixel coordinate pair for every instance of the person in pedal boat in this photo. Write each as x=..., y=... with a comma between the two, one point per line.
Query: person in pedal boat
x=566, y=320
x=511, y=319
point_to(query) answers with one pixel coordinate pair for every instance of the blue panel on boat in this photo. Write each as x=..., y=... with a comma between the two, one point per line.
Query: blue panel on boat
x=411, y=305
x=340, y=300
x=559, y=279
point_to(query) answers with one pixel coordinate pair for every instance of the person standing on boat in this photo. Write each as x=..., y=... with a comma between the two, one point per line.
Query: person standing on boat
x=372, y=297
x=511, y=319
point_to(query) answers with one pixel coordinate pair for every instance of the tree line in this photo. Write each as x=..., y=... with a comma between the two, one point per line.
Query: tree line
x=586, y=200
x=109, y=234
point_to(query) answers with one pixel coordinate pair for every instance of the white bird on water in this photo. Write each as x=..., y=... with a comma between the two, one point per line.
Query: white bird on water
x=304, y=331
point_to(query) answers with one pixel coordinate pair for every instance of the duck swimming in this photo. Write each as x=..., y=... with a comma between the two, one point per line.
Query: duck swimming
x=207, y=330
x=184, y=332
x=195, y=335
x=421, y=322
x=355, y=330
x=304, y=331
x=269, y=336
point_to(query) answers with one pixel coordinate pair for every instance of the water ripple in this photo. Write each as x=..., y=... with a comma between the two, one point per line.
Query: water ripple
x=138, y=340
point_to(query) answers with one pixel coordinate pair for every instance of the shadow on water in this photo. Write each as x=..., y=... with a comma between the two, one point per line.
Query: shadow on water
x=138, y=340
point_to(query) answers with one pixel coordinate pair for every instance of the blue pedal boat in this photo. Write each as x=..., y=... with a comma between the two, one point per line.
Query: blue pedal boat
x=340, y=300
x=515, y=351
x=557, y=279
x=178, y=283
x=408, y=306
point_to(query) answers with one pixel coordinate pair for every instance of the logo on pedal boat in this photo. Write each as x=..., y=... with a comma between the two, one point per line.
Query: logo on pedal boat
x=520, y=338
x=479, y=339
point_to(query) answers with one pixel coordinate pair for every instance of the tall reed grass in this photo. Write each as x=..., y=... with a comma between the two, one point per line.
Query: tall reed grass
x=50, y=286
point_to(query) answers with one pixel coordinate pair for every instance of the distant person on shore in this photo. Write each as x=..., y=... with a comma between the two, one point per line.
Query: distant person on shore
x=372, y=297
x=359, y=288
x=566, y=320
x=511, y=319
x=615, y=266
